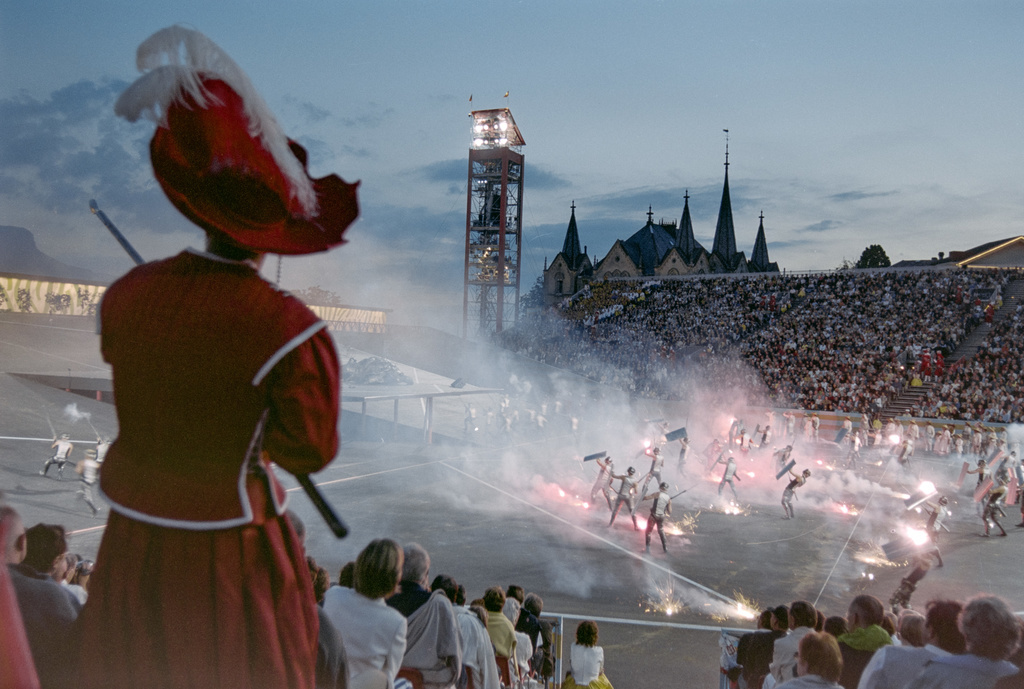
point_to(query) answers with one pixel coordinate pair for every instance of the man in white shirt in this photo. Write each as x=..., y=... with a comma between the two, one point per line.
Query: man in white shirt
x=802, y=618
x=893, y=667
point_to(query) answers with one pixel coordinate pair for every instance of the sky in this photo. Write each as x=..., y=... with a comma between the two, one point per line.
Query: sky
x=850, y=124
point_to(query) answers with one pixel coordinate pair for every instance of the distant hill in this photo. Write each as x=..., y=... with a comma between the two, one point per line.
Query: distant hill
x=19, y=254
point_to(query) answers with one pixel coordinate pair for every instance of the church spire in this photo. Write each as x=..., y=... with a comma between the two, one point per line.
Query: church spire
x=759, y=259
x=685, y=240
x=571, y=245
x=725, y=233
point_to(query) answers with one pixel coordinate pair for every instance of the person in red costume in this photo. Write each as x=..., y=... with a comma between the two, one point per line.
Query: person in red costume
x=200, y=579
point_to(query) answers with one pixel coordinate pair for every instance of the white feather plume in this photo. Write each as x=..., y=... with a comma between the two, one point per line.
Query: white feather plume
x=174, y=61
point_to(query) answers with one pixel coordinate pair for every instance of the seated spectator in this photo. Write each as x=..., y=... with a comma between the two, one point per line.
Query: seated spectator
x=374, y=633
x=991, y=633
x=542, y=662
x=321, y=579
x=433, y=643
x=331, y=669
x=15, y=653
x=802, y=618
x=893, y=667
x=836, y=626
x=586, y=660
x=345, y=575
x=48, y=610
x=524, y=647
x=755, y=649
x=477, y=651
x=911, y=629
x=889, y=624
x=819, y=663
x=413, y=590
x=866, y=636
x=527, y=622
x=501, y=631
x=46, y=552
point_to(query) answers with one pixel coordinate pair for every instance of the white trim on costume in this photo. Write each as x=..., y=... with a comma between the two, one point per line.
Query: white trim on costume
x=285, y=349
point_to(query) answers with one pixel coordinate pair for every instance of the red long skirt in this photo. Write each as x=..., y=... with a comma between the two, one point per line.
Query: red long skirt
x=171, y=608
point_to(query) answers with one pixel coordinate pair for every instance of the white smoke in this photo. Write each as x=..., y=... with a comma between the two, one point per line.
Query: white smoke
x=72, y=414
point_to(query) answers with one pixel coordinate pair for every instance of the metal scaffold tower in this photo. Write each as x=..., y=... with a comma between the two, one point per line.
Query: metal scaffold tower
x=494, y=212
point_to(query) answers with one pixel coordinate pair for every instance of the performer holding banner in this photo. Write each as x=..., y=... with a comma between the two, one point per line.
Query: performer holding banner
x=603, y=484
x=217, y=374
x=790, y=492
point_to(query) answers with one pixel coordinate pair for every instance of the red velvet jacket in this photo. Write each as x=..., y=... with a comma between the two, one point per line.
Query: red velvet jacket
x=215, y=371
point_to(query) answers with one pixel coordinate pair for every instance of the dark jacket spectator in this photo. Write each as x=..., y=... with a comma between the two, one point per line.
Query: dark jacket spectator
x=413, y=591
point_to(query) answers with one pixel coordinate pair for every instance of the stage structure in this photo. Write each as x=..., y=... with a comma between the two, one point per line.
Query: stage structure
x=494, y=212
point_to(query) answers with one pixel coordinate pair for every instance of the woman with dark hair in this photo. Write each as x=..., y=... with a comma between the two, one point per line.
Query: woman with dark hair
x=374, y=633
x=586, y=660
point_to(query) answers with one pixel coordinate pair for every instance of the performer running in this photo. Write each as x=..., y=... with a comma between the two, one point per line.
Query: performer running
x=627, y=489
x=729, y=461
x=62, y=448
x=993, y=498
x=900, y=598
x=661, y=508
x=603, y=484
x=937, y=514
x=787, y=495
x=88, y=471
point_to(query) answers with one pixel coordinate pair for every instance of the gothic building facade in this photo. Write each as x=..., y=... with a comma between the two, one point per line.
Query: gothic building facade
x=656, y=250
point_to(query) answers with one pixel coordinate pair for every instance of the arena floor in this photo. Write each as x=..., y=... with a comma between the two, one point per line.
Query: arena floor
x=503, y=510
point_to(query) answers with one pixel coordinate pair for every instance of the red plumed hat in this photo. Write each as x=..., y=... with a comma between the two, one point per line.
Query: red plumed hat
x=222, y=158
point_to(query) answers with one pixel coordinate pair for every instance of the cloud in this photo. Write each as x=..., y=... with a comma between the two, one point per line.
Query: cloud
x=450, y=171
x=818, y=227
x=374, y=116
x=539, y=178
x=845, y=196
x=61, y=151
x=665, y=202
x=454, y=172
x=314, y=112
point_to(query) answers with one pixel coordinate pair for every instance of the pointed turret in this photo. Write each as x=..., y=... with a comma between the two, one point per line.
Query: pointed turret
x=687, y=243
x=759, y=259
x=725, y=233
x=571, y=245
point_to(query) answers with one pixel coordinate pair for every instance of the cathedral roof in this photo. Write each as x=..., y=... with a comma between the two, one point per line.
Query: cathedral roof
x=648, y=246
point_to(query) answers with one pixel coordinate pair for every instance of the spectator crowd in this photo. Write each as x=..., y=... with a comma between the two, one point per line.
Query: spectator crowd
x=848, y=341
x=953, y=645
x=388, y=623
x=385, y=623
